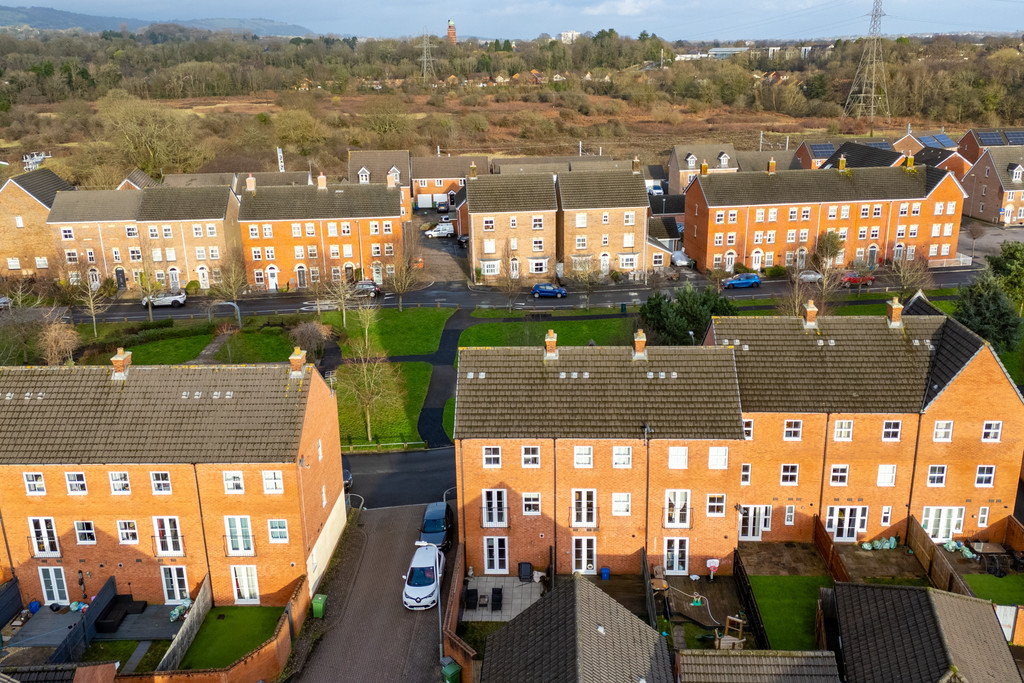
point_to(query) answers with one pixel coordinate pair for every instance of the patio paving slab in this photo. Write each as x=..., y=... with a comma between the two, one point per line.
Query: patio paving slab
x=153, y=624
x=45, y=629
x=864, y=564
x=516, y=596
x=782, y=559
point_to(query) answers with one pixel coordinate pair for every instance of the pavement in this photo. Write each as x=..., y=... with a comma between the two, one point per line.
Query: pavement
x=373, y=636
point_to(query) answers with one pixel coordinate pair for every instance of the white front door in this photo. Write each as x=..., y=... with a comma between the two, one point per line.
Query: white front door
x=377, y=277
x=515, y=268
x=730, y=261
x=94, y=279
x=174, y=279
x=755, y=260
x=942, y=523
x=204, y=279
x=300, y=277
x=495, y=555
x=605, y=263
x=175, y=584
x=243, y=581
x=54, y=587
x=584, y=554
x=844, y=521
x=272, y=279
x=676, y=555
x=754, y=519
x=801, y=258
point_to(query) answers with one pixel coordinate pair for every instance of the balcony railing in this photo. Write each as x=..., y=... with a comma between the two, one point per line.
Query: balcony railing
x=584, y=517
x=169, y=546
x=493, y=517
x=239, y=545
x=43, y=546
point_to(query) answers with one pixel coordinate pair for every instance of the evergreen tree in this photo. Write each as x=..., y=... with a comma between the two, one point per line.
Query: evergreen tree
x=670, y=321
x=986, y=309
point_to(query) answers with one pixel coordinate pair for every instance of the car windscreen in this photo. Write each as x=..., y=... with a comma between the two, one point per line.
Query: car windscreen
x=432, y=526
x=421, y=576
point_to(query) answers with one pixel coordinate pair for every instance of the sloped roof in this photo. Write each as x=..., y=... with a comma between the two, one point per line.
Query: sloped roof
x=307, y=202
x=576, y=634
x=600, y=163
x=88, y=206
x=909, y=634
x=705, y=152
x=662, y=228
x=837, y=143
x=758, y=161
x=667, y=203
x=198, y=179
x=654, y=172
x=862, y=156
x=830, y=368
x=816, y=186
x=140, y=179
x=271, y=179
x=498, y=193
x=379, y=163
x=757, y=666
x=551, y=167
x=183, y=203
x=602, y=190
x=43, y=184
x=933, y=156
x=684, y=392
x=200, y=413
x=433, y=168
x=1005, y=159
x=498, y=164
x=955, y=346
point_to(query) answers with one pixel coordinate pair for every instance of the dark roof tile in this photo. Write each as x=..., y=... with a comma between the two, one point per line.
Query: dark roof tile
x=753, y=666
x=183, y=203
x=500, y=193
x=43, y=184
x=309, y=202
x=601, y=190
x=862, y=156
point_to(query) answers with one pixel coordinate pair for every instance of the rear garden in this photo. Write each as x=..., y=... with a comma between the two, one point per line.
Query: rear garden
x=788, y=605
x=230, y=633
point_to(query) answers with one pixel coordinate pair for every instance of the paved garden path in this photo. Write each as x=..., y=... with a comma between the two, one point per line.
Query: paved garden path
x=206, y=356
x=137, y=655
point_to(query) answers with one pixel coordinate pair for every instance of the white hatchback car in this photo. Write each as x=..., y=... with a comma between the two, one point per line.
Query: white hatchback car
x=423, y=582
x=172, y=299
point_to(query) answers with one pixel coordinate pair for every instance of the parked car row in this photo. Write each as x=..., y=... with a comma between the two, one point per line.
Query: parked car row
x=422, y=588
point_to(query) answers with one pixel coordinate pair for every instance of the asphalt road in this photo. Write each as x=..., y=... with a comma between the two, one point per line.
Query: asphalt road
x=408, y=478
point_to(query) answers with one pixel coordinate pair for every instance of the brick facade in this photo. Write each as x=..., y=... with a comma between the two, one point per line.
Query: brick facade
x=27, y=247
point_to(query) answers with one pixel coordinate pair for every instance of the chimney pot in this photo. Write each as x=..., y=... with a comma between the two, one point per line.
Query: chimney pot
x=297, y=361
x=842, y=162
x=391, y=180
x=810, y=314
x=704, y=167
x=121, y=362
x=550, y=346
x=636, y=164
x=640, y=345
x=321, y=181
x=894, y=312
x=771, y=166
x=910, y=161
x=472, y=170
x=250, y=184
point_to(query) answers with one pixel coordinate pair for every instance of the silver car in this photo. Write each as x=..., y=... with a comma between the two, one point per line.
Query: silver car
x=172, y=299
x=811, y=276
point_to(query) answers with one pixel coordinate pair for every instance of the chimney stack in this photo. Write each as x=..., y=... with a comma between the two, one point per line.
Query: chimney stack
x=810, y=314
x=472, y=170
x=297, y=361
x=121, y=363
x=550, y=347
x=894, y=312
x=910, y=161
x=321, y=181
x=250, y=184
x=704, y=167
x=842, y=162
x=640, y=345
x=636, y=164
x=771, y=166
x=391, y=180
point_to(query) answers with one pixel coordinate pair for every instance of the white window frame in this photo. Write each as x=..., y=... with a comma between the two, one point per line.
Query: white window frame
x=678, y=457
x=982, y=516
x=886, y=476
x=840, y=475
x=127, y=532
x=273, y=481
x=788, y=476
x=718, y=457
x=892, y=430
x=886, y=518
x=943, y=432
x=47, y=537
x=250, y=574
x=682, y=549
x=120, y=483
x=677, y=516
x=234, y=482
x=494, y=508
x=531, y=457
x=76, y=483
x=792, y=430
x=748, y=430
x=790, y=515
x=279, y=530
x=622, y=504
x=158, y=483
x=583, y=457
x=715, y=505
x=531, y=504
x=843, y=430
x=174, y=542
x=87, y=528
x=584, y=508
x=937, y=476
x=495, y=554
x=992, y=432
x=238, y=530
x=491, y=457
x=35, y=484
x=745, y=472
x=985, y=476
x=622, y=457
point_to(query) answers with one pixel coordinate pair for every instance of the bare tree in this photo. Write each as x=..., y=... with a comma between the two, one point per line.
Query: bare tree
x=863, y=272
x=405, y=278
x=311, y=335
x=716, y=275
x=91, y=299
x=149, y=287
x=57, y=342
x=372, y=380
x=826, y=252
x=367, y=317
x=586, y=276
x=340, y=293
x=21, y=320
x=507, y=282
x=234, y=280
x=911, y=276
x=976, y=230
x=792, y=302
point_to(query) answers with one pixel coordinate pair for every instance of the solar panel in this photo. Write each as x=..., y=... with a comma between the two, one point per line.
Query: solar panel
x=878, y=144
x=823, y=150
x=1015, y=137
x=944, y=140
x=929, y=141
x=990, y=138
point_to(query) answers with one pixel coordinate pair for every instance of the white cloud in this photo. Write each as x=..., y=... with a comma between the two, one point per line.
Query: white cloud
x=624, y=8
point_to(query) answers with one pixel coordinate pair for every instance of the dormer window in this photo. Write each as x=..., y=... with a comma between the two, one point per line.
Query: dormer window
x=1018, y=173
x=691, y=161
x=723, y=160
x=396, y=174
x=364, y=176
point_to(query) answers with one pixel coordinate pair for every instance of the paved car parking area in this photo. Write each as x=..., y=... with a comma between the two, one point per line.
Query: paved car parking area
x=376, y=638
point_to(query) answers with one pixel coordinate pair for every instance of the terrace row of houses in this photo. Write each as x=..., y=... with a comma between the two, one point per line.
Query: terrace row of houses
x=686, y=451
x=158, y=476
x=531, y=218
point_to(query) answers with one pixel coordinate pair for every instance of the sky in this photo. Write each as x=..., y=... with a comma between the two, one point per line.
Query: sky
x=527, y=19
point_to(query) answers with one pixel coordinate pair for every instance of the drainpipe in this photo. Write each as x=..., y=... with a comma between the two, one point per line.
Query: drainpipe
x=913, y=475
x=202, y=522
x=7, y=547
x=824, y=464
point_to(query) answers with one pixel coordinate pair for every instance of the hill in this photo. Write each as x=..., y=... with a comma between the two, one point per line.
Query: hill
x=45, y=18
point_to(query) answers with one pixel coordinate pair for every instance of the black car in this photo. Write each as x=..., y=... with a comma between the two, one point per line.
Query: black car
x=347, y=477
x=463, y=241
x=438, y=525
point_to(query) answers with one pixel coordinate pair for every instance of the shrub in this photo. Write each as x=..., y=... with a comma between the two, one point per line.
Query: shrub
x=740, y=268
x=775, y=271
x=156, y=331
x=192, y=287
x=616, y=276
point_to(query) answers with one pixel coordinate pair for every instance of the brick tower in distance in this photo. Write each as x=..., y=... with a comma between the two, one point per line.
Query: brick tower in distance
x=451, y=31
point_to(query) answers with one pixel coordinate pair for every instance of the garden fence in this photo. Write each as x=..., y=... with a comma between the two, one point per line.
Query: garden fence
x=754, y=620
x=827, y=549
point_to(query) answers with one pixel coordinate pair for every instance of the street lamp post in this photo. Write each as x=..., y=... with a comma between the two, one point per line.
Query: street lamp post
x=437, y=573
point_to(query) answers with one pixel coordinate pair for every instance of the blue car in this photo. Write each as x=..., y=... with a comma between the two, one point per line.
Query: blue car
x=742, y=280
x=548, y=289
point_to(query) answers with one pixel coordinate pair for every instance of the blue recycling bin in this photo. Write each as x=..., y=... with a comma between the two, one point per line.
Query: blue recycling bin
x=605, y=573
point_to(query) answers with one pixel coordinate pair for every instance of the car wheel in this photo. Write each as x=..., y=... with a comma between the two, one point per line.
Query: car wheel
x=558, y=295
x=373, y=295
x=175, y=304
x=536, y=295
x=757, y=284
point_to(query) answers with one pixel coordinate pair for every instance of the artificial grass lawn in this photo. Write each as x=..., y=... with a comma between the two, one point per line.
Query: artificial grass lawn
x=475, y=633
x=414, y=331
x=397, y=424
x=607, y=332
x=110, y=651
x=222, y=642
x=150, y=660
x=1008, y=590
x=898, y=581
x=269, y=345
x=788, y=605
x=448, y=421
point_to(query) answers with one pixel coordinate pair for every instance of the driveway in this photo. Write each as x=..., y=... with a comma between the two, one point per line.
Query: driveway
x=376, y=638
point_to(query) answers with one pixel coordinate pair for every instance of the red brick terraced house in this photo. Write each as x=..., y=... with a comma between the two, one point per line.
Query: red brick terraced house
x=591, y=454
x=686, y=162
x=977, y=140
x=387, y=167
x=26, y=243
x=438, y=179
x=996, y=186
x=296, y=236
x=159, y=475
x=775, y=218
x=813, y=153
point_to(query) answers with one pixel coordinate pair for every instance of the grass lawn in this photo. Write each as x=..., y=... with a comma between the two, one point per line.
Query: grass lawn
x=898, y=581
x=788, y=605
x=150, y=660
x=222, y=642
x=475, y=633
x=861, y=309
x=162, y=352
x=414, y=331
x=1008, y=590
x=270, y=345
x=392, y=425
x=110, y=651
x=1014, y=362
x=609, y=332
x=503, y=312
x=449, y=417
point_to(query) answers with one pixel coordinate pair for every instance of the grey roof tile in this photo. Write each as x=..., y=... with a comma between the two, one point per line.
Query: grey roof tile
x=379, y=163
x=198, y=179
x=662, y=228
x=861, y=156
x=497, y=193
x=601, y=190
x=576, y=634
x=1005, y=159
x=932, y=156
x=431, y=168
x=758, y=161
x=62, y=415
x=43, y=184
x=711, y=153
x=87, y=206
x=271, y=179
x=308, y=202
x=667, y=204
x=183, y=203
x=140, y=179
x=753, y=666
